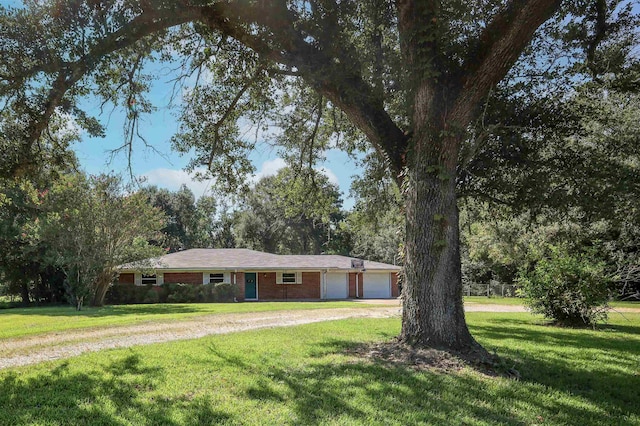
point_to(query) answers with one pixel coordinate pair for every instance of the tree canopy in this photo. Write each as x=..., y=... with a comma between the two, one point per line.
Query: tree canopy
x=90, y=226
x=421, y=83
x=290, y=213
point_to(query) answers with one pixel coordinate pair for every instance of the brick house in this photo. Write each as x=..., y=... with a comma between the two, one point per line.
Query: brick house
x=266, y=276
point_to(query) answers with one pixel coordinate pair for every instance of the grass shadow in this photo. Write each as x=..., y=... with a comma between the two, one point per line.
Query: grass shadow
x=109, y=395
x=587, y=364
x=376, y=393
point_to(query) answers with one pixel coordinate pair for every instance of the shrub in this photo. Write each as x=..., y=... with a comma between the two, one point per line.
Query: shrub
x=122, y=294
x=224, y=292
x=568, y=288
x=152, y=296
x=180, y=293
x=206, y=293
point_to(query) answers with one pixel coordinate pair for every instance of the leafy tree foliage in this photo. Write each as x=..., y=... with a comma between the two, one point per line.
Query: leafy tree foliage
x=409, y=78
x=24, y=269
x=190, y=223
x=376, y=223
x=290, y=213
x=17, y=265
x=91, y=226
x=567, y=287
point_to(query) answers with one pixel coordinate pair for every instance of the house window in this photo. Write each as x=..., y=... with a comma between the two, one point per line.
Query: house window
x=149, y=279
x=216, y=278
x=289, y=278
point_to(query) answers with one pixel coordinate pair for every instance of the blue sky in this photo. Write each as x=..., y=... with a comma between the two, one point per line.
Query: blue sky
x=165, y=167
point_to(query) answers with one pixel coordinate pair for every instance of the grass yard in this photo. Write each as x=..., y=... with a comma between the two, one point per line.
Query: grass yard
x=32, y=321
x=496, y=300
x=307, y=375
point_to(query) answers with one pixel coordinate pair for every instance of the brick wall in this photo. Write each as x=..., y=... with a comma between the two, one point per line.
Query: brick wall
x=126, y=278
x=352, y=284
x=239, y=285
x=269, y=290
x=183, y=277
x=394, y=285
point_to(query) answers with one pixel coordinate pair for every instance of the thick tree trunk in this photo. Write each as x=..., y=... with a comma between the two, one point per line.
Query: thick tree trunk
x=433, y=313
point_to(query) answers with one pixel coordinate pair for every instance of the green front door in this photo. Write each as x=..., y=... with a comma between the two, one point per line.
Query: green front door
x=250, y=287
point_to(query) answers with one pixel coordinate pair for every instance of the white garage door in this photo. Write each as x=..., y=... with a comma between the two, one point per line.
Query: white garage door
x=376, y=286
x=336, y=285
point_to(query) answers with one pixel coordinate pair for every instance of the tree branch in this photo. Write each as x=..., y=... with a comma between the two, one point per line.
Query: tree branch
x=497, y=49
x=601, y=30
x=229, y=110
x=69, y=73
x=336, y=78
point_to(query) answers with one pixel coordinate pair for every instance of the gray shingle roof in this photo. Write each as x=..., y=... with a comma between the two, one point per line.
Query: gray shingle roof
x=220, y=259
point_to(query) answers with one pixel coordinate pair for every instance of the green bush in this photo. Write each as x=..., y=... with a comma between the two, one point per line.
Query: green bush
x=170, y=293
x=568, y=288
x=125, y=294
x=219, y=292
x=181, y=293
x=224, y=292
x=152, y=296
x=206, y=293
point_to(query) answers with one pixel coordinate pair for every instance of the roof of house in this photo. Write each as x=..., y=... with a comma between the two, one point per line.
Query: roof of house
x=220, y=259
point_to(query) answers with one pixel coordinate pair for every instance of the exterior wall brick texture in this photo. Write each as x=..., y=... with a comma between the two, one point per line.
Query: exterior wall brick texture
x=239, y=285
x=352, y=285
x=395, y=292
x=269, y=290
x=183, y=277
x=353, y=291
x=126, y=279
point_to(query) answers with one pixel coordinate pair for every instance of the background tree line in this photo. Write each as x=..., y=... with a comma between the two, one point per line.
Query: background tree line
x=561, y=192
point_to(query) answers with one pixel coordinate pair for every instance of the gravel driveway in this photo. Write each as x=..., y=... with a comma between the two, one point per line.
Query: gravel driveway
x=51, y=346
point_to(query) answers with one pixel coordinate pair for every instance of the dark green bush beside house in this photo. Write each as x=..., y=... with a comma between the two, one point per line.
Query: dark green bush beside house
x=120, y=294
x=126, y=294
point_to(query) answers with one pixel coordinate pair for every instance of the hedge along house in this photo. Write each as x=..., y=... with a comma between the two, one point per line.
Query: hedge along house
x=266, y=276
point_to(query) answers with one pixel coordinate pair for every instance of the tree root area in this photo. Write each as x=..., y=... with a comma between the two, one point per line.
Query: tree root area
x=396, y=353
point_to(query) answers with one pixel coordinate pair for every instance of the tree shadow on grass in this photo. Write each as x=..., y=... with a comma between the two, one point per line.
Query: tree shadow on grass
x=377, y=393
x=591, y=365
x=108, y=395
x=380, y=392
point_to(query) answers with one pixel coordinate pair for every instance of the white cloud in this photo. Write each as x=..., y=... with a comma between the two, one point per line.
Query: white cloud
x=173, y=179
x=268, y=168
x=329, y=174
x=271, y=167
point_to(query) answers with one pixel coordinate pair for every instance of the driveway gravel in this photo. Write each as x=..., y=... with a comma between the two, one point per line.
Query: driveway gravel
x=51, y=346
x=21, y=351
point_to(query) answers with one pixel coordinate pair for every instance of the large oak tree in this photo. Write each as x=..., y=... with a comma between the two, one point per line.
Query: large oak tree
x=409, y=77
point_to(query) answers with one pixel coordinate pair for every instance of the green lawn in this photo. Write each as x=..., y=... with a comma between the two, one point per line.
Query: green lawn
x=519, y=301
x=306, y=375
x=31, y=321
x=494, y=300
x=625, y=304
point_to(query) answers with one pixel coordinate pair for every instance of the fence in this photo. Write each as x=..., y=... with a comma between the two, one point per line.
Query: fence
x=493, y=288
